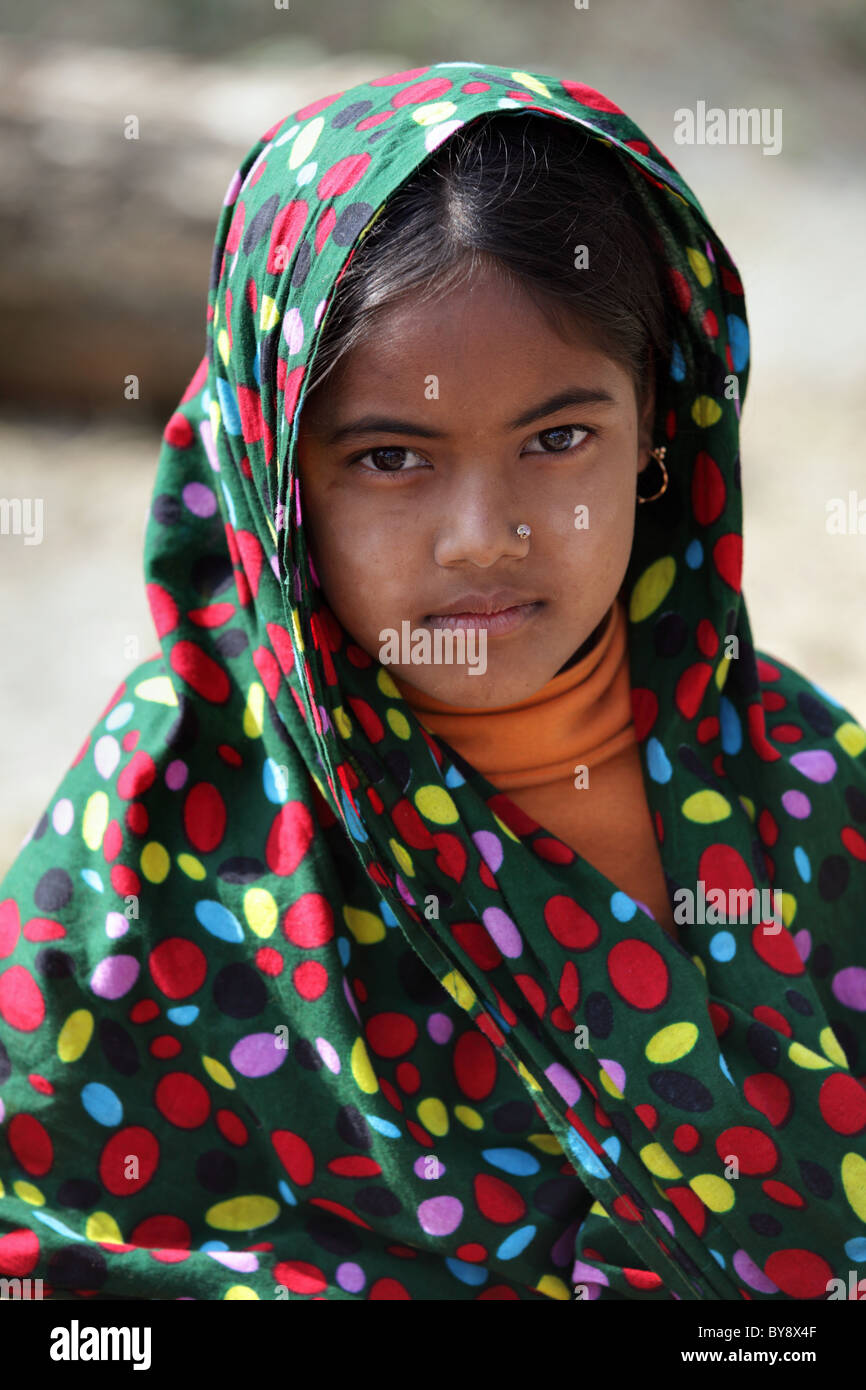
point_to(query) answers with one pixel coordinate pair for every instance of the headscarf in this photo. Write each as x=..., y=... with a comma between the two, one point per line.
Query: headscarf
x=243, y=1057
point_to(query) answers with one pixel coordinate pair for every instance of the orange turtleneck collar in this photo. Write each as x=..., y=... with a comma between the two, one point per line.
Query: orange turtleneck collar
x=568, y=756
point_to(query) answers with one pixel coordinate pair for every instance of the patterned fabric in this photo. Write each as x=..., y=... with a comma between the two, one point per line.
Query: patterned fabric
x=241, y=1056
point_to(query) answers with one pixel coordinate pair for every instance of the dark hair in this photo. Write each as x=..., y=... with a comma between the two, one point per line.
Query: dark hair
x=518, y=194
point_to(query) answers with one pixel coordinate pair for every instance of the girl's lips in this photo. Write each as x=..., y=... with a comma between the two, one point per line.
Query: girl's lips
x=494, y=624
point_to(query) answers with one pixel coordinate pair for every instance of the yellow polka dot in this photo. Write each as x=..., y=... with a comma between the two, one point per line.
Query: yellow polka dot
x=722, y=671
x=155, y=862
x=652, y=588
x=706, y=411
x=366, y=927
x=223, y=345
x=748, y=806
x=671, y=1043
x=362, y=1068
x=851, y=737
x=28, y=1193
x=398, y=723
x=528, y=1077
x=854, y=1182
x=75, y=1035
x=435, y=804
x=254, y=710
x=548, y=1143
x=804, y=1057
x=304, y=141
x=433, y=1116
x=386, y=685
x=715, y=1192
x=434, y=112
x=94, y=820
x=553, y=1286
x=830, y=1044
x=158, y=690
x=215, y=415
x=101, y=1226
x=241, y=1291
x=296, y=626
x=459, y=988
x=260, y=910
x=534, y=84
x=245, y=1213
x=701, y=964
x=343, y=722
x=706, y=807
x=268, y=315
x=789, y=908
x=192, y=867
x=607, y=1081
x=700, y=265
x=468, y=1117
x=403, y=857
x=218, y=1073
x=506, y=830
x=659, y=1163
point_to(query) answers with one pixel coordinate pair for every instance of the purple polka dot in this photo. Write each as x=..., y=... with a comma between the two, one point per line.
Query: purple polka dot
x=428, y=1167
x=751, y=1275
x=803, y=943
x=849, y=987
x=503, y=931
x=565, y=1082
x=440, y=1215
x=816, y=764
x=797, y=804
x=114, y=976
x=350, y=1277
x=490, y=848
x=199, y=499
x=440, y=1027
x=175, y=775
x=116, y=925
x=615, y=1070
x=258, y=1054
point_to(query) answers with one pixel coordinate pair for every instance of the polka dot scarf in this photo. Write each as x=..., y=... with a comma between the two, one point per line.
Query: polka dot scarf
x=293, y=1003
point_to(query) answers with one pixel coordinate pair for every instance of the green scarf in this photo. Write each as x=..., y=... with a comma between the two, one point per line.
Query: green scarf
x=238, y=1058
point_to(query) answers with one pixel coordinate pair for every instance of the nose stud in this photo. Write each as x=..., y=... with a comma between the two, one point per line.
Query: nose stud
x=524, y=532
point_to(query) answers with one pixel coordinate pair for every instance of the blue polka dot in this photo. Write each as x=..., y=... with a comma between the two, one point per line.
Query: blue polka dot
x=723, y=946
x=231, y=416
x=622, y=906
x=93, y=880
x=725, y=1069
x=257, y=365
x=286, y=1193
x=388, y=916
x=678, y=363
x=585, y=1156
x=612, y=1148
x=383, y=1126
x=120, y=715
x=731, y=728
x=211, y=1245
x=855, y=1249
x=274, y=783
x=183, y=1015
x=55, y=1224
x=738, y=337
x=344, y=949
x=515, y=1244
x=511, y=1161
x=803, y=866
x=230, y=506
x=217, y=920
x=453, y=778
x=356, y=829
x=101, y=1104
x=694, y=555
x=657, y=761
x=720, y=1259
x=466, y=1273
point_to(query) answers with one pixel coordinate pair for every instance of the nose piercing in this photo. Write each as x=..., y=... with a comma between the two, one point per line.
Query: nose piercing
x=524, y=532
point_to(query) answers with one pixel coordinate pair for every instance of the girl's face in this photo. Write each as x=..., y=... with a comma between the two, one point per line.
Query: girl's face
x=453, y=424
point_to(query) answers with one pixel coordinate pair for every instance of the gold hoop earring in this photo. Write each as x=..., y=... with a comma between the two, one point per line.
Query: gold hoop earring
x=658, y=453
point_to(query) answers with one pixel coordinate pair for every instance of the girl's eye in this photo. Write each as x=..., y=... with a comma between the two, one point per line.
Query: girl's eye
x=559, y=440
x=388, y=458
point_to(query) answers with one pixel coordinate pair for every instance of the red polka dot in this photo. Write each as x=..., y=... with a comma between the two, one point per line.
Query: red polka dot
x=178, y=432
x=310, y=979
x=138, y=775
x=777, y=950
x=389, y=1289
x=799, y=1273
x=162, y=1231
x=286, y=231
x=783, y=1194
x=686, y=1138
x=391, y=1034
x=570, y=924
x=769, y=1094
x=182, y=1100
x=300, y=1277
x=289, y=838
x=163, y=609
x=588, y=96
x=231, y=1127
x=430, y=90
x=295, y=1155
x=164, y=1047
x=689, y=1206
x=645, y=709
x=498, y=1201
x=178, y=967
x=269, y=961
x=754, y=1150
x=854, y=842
x=728, y=559
x=764, y=1013
x=343, y=175
x=129, y=1160
x=144, y=1011
x=638, y=973
x=474, y=1061
x=842, y=1100
x=204, y=816
x=21, y=1002
x=354, y=1166
x=476, y=941
x=708, y=491
x=31, y=1144
x=309, y=922
x=19, y=1251
x=201, y=672
x=690, y=688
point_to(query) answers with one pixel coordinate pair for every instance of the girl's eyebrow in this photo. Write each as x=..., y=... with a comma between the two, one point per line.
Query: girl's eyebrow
x=380, y=424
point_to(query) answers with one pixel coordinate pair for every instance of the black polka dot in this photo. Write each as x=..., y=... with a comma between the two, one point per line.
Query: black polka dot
x=598, y=1012
x=763, y=1044
x=239, y=991
x=53, y=890
x=118, y=1048
x=679, y=1089
x=216, y=1171
x=352, y=1127
x=833, y=877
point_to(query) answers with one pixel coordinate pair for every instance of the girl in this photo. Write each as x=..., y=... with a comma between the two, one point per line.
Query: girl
x=336, y=971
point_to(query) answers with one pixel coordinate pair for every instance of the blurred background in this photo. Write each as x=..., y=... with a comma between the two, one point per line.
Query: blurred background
x=106, y=246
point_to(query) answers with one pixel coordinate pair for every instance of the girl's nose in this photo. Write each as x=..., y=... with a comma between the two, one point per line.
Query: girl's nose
x=479, y=527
